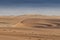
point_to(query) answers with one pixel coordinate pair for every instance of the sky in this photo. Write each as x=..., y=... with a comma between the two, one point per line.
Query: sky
x=21, y=7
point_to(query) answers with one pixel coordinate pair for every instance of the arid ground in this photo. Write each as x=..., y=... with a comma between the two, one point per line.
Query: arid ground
x=30, y=27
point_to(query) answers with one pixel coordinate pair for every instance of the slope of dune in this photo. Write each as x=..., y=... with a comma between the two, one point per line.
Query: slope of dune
x=30, y=20
x=30, y=27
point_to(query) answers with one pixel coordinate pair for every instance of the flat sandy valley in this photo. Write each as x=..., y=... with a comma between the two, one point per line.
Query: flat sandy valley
x=30, y=27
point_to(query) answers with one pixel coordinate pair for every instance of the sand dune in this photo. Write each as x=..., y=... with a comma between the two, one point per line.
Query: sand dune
x=30, y=27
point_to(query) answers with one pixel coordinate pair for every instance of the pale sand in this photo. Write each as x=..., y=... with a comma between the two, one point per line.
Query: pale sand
x=30, y=27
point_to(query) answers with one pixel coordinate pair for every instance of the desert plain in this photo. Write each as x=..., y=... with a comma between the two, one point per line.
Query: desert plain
x=30, y=27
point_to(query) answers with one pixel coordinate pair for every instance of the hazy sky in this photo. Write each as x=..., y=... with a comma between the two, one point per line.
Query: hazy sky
x=18, y=7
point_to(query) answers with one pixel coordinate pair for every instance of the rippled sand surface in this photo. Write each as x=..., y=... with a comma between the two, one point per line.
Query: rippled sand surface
x=30, y=27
